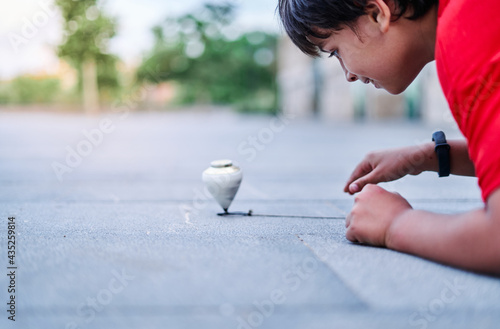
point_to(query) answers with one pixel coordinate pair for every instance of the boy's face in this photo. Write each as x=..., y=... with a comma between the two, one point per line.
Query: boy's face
x=389, y=58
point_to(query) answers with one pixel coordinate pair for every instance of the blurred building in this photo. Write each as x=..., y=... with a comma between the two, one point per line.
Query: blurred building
x=317, y=87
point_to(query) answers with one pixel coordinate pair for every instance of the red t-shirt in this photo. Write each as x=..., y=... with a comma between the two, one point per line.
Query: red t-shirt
x=468, y=63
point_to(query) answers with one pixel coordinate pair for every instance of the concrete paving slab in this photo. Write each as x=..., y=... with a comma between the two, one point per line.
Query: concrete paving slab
x=129, y=237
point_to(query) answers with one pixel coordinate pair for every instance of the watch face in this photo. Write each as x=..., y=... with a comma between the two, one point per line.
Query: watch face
x=442, y=150
x=439, y=137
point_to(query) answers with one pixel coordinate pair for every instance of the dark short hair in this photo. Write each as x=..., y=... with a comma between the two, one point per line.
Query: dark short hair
x=301, y=17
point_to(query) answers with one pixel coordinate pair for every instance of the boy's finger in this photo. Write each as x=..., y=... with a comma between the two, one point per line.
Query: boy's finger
x=348, y=220
x=361, y=170
x=358, y=184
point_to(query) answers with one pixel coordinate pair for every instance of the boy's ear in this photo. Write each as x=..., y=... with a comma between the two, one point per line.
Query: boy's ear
x=379, y=12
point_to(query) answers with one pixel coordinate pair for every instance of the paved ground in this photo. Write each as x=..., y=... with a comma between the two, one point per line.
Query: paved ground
x=122, y=234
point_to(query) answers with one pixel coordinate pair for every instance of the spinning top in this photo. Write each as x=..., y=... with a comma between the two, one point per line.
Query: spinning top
x=223, y=180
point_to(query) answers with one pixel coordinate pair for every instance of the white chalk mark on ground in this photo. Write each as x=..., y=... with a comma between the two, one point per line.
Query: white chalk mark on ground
x=188, y=220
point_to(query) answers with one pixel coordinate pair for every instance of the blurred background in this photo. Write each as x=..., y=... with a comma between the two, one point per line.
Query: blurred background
x=94, y=56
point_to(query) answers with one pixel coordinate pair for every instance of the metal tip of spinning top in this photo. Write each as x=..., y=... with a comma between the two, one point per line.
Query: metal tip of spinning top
x=223, y=180
x=236, y=213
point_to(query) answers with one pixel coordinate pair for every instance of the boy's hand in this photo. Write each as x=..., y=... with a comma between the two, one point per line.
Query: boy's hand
x=389, y=165
x=374, y=210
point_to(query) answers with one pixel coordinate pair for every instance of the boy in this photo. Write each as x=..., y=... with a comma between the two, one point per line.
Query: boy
x=387, y=43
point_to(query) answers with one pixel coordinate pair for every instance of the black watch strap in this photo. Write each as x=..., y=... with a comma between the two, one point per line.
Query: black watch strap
x=442, y=150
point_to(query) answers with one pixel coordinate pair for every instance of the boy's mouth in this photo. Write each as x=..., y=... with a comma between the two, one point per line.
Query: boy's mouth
x=375, y=84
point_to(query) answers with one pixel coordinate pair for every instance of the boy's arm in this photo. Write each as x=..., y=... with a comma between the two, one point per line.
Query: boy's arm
x=460, y=163
x=470, y=240
x=389, y=165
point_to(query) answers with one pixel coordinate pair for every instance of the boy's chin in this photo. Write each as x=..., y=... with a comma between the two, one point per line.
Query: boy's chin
x=395, y=90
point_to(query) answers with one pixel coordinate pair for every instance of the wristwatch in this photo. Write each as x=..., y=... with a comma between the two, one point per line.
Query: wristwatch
x=442, y=150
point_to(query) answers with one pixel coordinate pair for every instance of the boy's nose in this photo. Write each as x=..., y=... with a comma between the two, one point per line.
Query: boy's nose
x=350, y=77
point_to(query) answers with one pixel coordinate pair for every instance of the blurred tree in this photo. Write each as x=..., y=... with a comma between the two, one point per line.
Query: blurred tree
x=85, y=46
x=210, y=62
x=30, y=90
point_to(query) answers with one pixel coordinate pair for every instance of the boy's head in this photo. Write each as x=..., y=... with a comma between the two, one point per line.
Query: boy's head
x=386, y=42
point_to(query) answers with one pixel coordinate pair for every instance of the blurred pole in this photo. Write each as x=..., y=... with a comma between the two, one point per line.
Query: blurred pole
x=90, y=92
x=295, y=79
x=318, y=81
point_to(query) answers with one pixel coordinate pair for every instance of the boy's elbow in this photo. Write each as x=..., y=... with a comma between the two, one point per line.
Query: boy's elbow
x=496, y=244
x=493, y=217
x=493, y=238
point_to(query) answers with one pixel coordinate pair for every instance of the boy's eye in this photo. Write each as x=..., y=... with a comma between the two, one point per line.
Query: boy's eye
x=334, y=53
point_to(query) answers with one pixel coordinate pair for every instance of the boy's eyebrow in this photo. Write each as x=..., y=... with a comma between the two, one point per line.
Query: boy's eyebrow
x=321, y=47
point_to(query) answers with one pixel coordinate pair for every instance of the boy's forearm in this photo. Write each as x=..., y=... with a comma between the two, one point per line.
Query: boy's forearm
x=467, y=240
x=460, y=163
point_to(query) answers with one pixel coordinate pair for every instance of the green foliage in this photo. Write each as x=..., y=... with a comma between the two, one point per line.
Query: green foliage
x=87, y=33
x=29, y=90
x=197, y=52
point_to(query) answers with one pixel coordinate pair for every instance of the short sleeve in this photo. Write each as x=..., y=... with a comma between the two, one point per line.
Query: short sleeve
x=480, y=116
